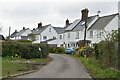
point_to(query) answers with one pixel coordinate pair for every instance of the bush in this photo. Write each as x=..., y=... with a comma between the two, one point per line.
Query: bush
x=25, y=50
x=105, y=52
x=24, y=41
x=57, y=50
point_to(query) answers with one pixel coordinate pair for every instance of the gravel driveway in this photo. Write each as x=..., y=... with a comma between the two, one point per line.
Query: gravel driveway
x=62, y=66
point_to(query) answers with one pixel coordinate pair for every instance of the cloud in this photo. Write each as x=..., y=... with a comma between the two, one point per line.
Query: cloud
x=19, y=13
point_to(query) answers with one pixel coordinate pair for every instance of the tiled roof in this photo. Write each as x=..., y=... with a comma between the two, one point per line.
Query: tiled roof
x=21, y=32
x=59, y=29
x=48, y=40
x=2, y=37
x=38, y=31
x=78, y=24
x=102, y=22
x=13, y=34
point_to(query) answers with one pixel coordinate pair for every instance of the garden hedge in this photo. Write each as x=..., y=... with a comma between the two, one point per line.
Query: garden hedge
x=25, y=50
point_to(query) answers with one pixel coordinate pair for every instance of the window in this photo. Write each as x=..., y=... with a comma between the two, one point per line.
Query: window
x=91, y=34
x=60, y=36
x=49, y=29
x=68, y=35
x=77, y=35
x=63, y=36
x=44, y=37
x=37, y=37
x=98, y=34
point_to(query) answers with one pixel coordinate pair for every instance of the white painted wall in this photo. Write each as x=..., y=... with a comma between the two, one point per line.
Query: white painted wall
x=113, y=25
x=28, y=31
x=37, y=39
x=47, y=33
x=53, y=42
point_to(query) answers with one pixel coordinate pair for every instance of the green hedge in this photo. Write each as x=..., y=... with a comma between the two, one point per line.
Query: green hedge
x=25, y=50
x=57, y=50
x=106, y=54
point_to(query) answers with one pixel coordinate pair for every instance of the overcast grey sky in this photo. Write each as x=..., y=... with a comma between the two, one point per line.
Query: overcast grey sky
x=28, y=13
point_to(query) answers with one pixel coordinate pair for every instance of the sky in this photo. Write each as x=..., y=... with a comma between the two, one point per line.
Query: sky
x=28, y=13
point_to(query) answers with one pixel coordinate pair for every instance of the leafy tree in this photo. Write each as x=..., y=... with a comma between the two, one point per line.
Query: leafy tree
x=32, y=36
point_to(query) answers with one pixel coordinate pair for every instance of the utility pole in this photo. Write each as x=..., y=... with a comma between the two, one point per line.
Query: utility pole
x=84, y=18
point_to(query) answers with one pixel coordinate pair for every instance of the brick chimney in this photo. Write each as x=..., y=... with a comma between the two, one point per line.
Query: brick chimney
x=67, y=22
x=39, y=25
x=84, y=14
x=23, y=28
x=15, y=30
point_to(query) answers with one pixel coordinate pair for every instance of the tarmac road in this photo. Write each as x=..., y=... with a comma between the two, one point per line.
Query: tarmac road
x=62, y=66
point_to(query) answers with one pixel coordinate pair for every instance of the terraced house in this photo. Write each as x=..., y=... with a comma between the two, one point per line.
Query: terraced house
x=72, y=33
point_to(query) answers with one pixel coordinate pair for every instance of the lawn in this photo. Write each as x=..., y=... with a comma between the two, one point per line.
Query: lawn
x=97, y=71
x=14, y=65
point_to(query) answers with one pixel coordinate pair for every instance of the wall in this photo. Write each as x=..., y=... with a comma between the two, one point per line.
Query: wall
x=28, y=31
x=113, y=25
x=37, y=39
x=49, y=35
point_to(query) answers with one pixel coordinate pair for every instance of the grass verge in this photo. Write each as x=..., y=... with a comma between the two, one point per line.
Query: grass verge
x=97, y=71
x=14, y=65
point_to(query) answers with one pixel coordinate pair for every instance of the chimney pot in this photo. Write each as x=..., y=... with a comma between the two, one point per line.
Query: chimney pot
x=84, y=14
x=23, y=28
x=67, y=22
x=39, y=25
x=15, y=30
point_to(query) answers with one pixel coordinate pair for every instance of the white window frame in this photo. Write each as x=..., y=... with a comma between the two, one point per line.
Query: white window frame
x=91, y=33
x=68, y=35
x=77, y=35
x=44, y=37
x=60, y=36
x=99, y=34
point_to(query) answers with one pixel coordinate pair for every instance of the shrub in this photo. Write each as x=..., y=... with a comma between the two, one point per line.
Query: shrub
x=105, y=52
x=24, y=41
x=25, y=50
x=58, y=50
x=52, y=50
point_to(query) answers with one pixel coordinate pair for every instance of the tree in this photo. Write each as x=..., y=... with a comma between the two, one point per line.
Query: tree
x=106, y=50
x=32, y=36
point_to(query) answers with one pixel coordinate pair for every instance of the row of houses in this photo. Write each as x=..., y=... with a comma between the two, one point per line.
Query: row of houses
x=71, y=33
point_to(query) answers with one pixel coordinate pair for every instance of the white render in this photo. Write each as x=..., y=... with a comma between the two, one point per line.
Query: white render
x=25, y=34
x=113, y=25
x=49, y=34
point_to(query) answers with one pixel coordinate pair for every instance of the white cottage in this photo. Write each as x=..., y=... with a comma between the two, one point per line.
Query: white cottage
x=44, y=33
x=21, y=35
x=107, y=23
x=75, y=31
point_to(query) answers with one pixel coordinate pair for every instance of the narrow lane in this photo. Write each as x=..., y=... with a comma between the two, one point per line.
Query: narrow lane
x=62, y=66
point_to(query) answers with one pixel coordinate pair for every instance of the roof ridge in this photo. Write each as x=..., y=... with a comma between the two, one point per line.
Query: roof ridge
x=109, y=15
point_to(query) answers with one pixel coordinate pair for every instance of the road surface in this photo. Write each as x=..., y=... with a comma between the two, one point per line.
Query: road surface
x=62, y=66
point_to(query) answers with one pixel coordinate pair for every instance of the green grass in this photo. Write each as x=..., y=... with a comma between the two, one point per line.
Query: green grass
x=97, y=71
x=14, y=65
